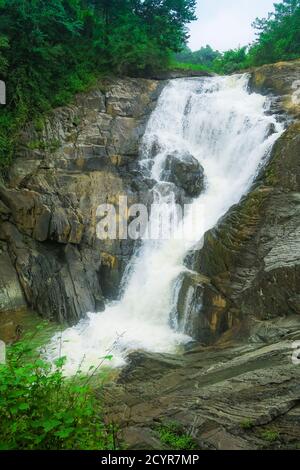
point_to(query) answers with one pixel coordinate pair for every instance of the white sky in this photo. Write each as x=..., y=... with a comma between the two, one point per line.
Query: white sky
x=226, y=24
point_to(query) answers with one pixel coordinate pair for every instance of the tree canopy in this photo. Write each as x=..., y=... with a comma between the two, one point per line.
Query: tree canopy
x=278, y=38
x=50, y=50
x=204, y=56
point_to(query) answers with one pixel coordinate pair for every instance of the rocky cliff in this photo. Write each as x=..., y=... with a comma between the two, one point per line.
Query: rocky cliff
x=67, y=164
x=249, y=266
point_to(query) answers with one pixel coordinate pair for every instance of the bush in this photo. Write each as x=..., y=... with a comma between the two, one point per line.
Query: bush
x=173, y=436
x=41, y=409
x=270, y=436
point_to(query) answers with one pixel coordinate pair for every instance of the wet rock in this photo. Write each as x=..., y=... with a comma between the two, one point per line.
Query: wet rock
x=11, y=293
x=196, y=295
x=77, y=158
x=281, y=80
x=225, y=397
x=59, y=281
x=4, y=211
x=185, y=172
x=252, y=257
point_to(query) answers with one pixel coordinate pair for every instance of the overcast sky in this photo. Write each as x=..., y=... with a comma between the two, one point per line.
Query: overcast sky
x=226, y=24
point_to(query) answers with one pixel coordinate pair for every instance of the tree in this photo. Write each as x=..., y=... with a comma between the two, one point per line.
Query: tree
x=204, y=56
x=232, y=60
x=51, y=50
x=278, y=35
x=278, y=38
x=3, y=61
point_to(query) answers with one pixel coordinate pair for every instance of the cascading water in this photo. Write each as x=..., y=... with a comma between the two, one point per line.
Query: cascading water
x=229, y=132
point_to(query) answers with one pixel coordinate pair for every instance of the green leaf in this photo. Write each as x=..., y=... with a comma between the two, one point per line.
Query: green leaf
x=50, y=425
x=24, y=406
x=64, y=433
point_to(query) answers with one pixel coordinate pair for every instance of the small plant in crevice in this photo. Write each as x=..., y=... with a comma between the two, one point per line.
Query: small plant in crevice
x=247, y=424
x=175, y=437
x=270, y=435
x=41, y=409
x=51, y=146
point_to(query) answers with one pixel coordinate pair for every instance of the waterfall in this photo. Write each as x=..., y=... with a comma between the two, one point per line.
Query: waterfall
x=230, y=132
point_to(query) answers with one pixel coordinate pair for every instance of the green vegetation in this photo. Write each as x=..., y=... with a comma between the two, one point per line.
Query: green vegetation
x=173, y=436
x=186, y=66
x=232, y=61
x=247, y=424
x=278, y=38
x=40, y=409
x=270, y=436
x=204, y=57
x=51, y=50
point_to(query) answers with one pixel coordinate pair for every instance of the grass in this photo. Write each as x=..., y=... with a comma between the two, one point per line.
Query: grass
x=173, y=436
x=188, y=66
x=270, y=435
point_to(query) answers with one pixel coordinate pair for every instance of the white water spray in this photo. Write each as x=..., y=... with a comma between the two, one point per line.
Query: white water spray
x=228, y=131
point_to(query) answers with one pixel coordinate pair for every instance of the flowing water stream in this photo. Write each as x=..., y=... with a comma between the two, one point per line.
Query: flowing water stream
x=230, y=132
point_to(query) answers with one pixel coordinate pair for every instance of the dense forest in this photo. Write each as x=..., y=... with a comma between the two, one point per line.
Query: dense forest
x=51, y=50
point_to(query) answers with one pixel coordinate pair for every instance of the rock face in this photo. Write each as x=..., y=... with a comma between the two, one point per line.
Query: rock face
x=77, y=158
x=11, y=294
x=231, y=396
x=185, y=172
x=251, y=260
x=283, y=80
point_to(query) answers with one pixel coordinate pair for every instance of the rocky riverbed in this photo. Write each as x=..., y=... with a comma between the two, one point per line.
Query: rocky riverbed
x=230, y=396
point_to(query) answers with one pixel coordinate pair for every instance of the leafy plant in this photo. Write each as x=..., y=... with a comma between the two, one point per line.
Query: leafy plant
x=187, y=66
x=41, y=409
x=175, y=437
x=270, y=436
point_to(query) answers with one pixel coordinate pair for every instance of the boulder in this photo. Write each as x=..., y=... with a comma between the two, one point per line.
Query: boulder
x=185, y=172
x=197, y=294
x=60, y=282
